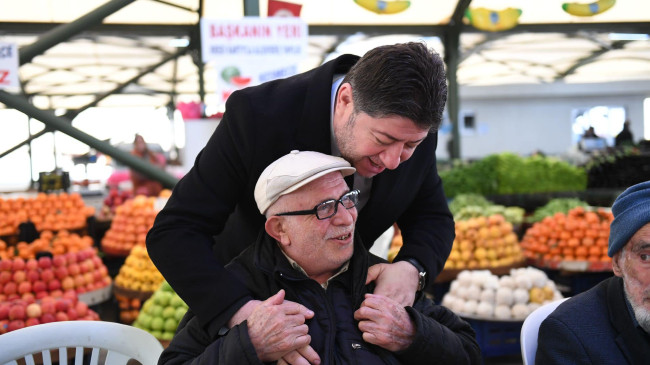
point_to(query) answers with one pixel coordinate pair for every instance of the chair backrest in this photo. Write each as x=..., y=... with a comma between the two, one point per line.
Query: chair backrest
x=103, y=342
x=530, y=329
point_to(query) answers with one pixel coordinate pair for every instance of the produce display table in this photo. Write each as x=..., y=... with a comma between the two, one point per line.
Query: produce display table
x=96, y=296
x=496, y=337
x=440, y=286
x=571, y=283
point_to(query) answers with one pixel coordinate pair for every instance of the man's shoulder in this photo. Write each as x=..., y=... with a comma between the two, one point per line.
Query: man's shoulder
x=586, y=306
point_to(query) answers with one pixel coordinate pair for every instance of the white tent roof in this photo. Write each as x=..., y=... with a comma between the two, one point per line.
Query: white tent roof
x=553, y=46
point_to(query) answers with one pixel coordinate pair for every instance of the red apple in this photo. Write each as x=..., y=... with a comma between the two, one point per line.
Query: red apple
x=81, y=289
x=97, y=276
x=57, y=293
x=74, y=269
x=19, y=276
x=31, y=264
x=97, y=261
x=10, y=288
x=71, y=257
x=62, y=305
x=47, y=275
x=47, y=318
x=82, y=308
x=15, y=325
x=67, y=283
x=71, y=295
x=6, y=265
x=88, y=277
x=33, y=275
x=79, y=280
x=39, y=286
x=17, y=311
x=61, y=316
x=45, y=262
x=18, y=264
x=5, y=276
x=24, y=287
x=4, y=323
x=28, y=298
x=59, y=260
x=61, y=272
x=48, y=307
x=33, y=310
x=4, y=311
x=54, y=285
x=32, y=322
x=41, y=294
x=13, y=297
x=72, y=313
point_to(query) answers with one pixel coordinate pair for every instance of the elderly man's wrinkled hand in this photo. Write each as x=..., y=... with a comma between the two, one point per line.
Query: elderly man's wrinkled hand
x=398, y=281
x=277, y=327
x=385, y=323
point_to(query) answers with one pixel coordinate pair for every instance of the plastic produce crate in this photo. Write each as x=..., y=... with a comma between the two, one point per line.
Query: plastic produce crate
x=497, y=338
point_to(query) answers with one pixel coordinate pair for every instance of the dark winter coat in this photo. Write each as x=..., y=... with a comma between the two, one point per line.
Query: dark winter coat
x=441, y=337
x=594, y=327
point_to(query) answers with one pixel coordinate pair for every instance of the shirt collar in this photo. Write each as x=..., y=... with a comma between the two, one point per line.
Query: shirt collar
x=297, y=267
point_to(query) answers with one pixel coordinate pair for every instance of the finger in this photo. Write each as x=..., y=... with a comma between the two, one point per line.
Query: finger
x=294, y=358
x=373, y=272
x=282, y=362
x=276, y=299
x=295, y=308
x=367, y=313
x=309, y=354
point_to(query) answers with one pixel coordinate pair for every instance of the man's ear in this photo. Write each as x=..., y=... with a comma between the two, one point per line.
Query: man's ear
x=274, y=226
x=344, y=96
x=616, y=267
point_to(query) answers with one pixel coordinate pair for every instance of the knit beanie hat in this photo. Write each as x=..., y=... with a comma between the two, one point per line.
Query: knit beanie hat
x=631, y=212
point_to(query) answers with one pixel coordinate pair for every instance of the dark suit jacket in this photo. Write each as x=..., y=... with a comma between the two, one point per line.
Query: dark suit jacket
x=216, y=198
x=594, y=327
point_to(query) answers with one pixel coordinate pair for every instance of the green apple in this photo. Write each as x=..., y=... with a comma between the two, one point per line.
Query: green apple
x=168, y=312
x=156, y=310
x=176, y=301
x=180, y=313
x=157, y=323
x=144, y=320
x=170, y=325
x=167, y=335
x=156, y=334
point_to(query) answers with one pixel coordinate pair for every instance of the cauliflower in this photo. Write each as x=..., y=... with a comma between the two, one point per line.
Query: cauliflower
x=473, y=292
x=520, y=311
x=488, y=296
x=485, y=310
x=520, y=296
x=504, y=296
x=502, y=311
x=469, y=307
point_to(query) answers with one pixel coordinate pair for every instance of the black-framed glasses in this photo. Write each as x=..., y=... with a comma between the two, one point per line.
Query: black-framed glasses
x=328, y=208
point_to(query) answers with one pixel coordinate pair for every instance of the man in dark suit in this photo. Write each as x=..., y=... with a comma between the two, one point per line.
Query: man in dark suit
x=610, y=323
x=379, y=112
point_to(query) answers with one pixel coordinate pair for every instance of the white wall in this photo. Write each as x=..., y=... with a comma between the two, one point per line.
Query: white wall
x=523, y=119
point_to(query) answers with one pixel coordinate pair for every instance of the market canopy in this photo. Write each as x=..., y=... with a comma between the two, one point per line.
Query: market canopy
x=145, y=52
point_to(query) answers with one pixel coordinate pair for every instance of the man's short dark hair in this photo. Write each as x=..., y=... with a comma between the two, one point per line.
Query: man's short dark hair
x=406, y=79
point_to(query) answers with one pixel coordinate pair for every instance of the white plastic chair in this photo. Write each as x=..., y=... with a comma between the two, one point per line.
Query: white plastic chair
x=530, y=330
x=107, y=343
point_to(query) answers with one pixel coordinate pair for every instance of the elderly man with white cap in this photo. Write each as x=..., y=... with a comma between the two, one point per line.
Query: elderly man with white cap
x=309, y=254
x=610, y=323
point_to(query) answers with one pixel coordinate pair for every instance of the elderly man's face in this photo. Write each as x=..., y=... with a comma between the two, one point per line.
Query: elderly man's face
x=320, y=247
x=632, y=263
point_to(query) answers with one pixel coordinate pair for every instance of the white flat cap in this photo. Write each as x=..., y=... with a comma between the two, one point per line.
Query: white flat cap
x=291, y=171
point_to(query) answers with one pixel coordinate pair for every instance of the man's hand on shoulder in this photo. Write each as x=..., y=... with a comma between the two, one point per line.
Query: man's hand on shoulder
x=277, y=328
x=385, y=323
x=398, y=281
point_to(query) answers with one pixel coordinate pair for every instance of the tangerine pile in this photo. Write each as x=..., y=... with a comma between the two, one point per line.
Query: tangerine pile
x=57, y=243
x=579, y=235
x=129, y=227
x=47, y=212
